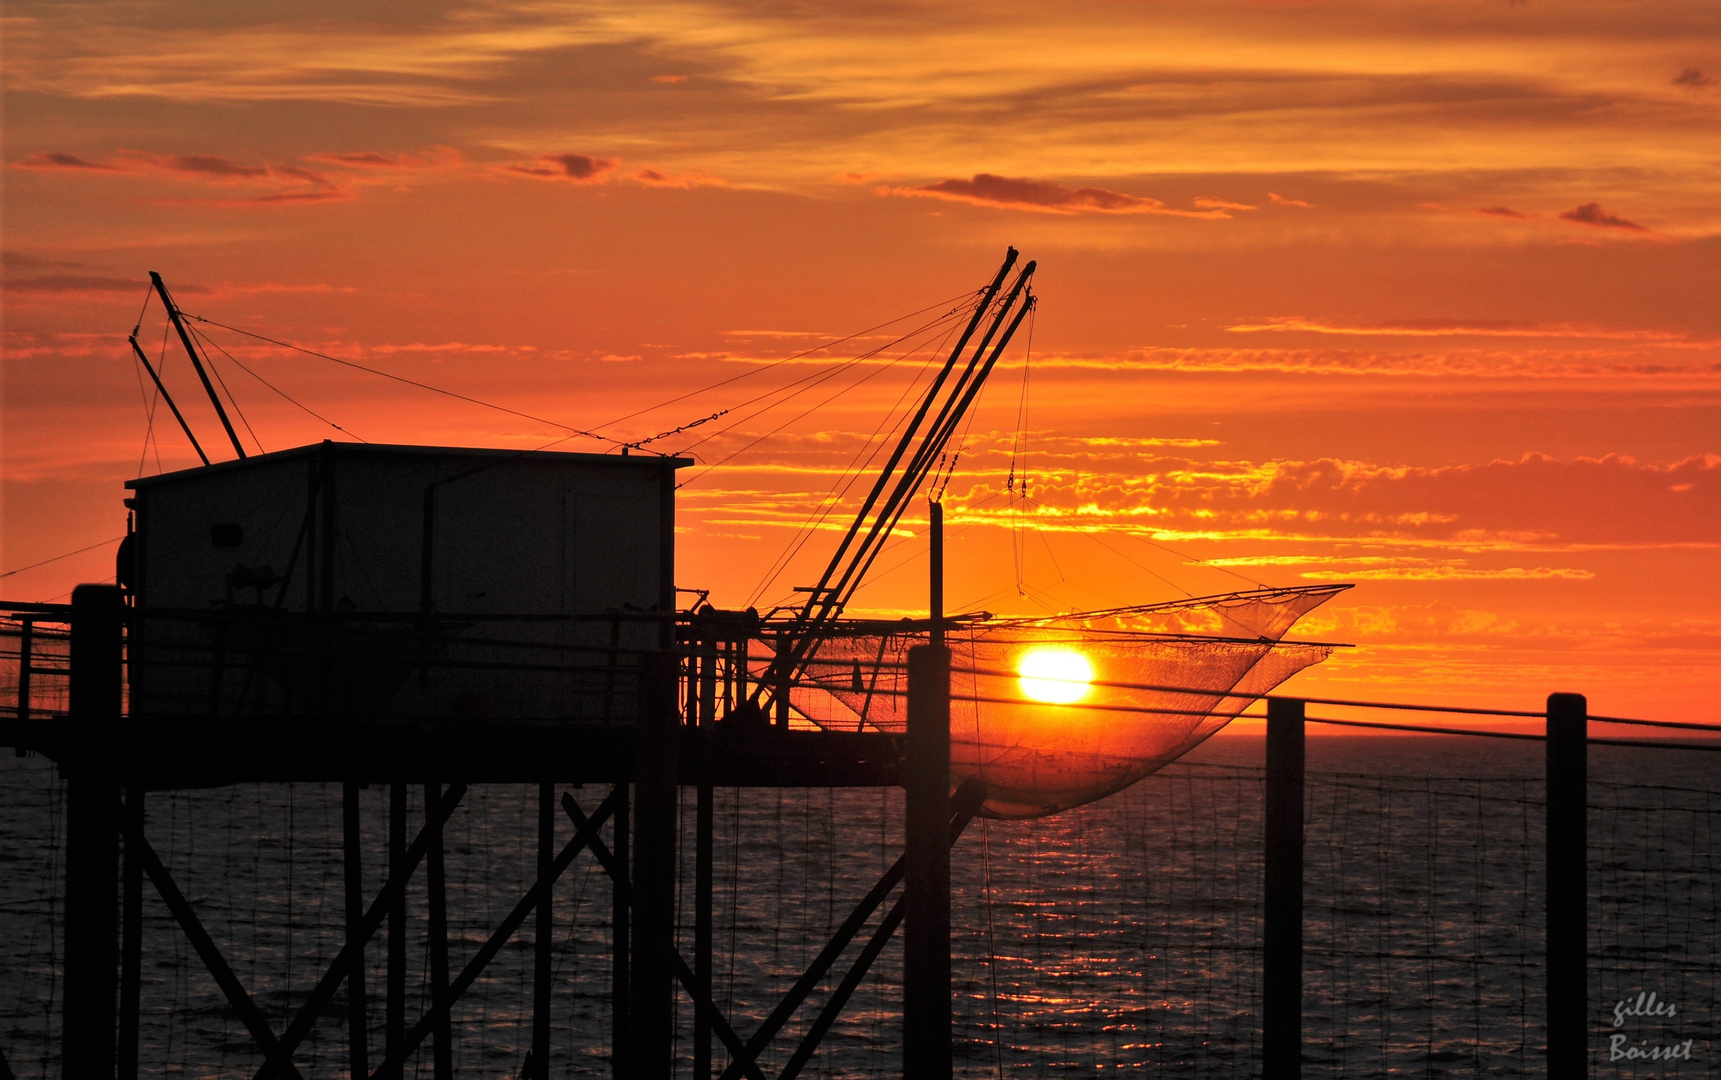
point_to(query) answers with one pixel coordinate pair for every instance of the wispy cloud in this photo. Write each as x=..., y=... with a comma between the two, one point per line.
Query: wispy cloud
x=1453, y=328
x=1592, y=214
x=1452, y=573
x=1044, y=196
x=575, y=168
x=53, y=160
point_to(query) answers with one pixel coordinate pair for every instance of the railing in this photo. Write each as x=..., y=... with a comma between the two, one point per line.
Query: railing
x=1221, y=918
x=35, y=660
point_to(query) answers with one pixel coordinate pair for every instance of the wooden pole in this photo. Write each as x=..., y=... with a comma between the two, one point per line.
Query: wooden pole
x=131, y=937
x=26, y=640
x=926, y=1045
x=196, y=361
x=1567, y=841
x=620, y=927
x=702, y=880
x=704, y=812
x=542, y=940
x=358, y=1042
x=657, y=750
x=1282, y=930
x=394, y=1023
x=436, y=907
x=92, y=833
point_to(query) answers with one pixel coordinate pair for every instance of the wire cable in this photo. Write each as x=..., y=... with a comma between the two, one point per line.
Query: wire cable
x=784, y=360
x=290, y=399
x=410, y=382
x=67, y=555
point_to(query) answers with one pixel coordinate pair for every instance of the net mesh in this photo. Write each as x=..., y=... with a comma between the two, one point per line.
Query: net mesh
x=1052, y=713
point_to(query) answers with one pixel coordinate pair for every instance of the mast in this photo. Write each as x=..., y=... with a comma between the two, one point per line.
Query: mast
x=852, y=559
x=196, y=362
x=159, y=385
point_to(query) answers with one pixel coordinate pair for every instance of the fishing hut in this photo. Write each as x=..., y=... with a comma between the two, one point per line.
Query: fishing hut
x=421, y=620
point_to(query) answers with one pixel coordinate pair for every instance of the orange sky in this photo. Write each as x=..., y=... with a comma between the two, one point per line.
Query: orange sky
x=1416, y=295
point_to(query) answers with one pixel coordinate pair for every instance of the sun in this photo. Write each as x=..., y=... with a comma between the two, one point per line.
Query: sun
x=1057, y=676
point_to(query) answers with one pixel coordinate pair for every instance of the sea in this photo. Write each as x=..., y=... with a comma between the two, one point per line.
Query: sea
x=1120, y=936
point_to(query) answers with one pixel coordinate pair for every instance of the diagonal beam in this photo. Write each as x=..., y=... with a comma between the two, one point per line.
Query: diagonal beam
x=964, y=803
x=395, y=1063
x=396, y=885
x=845, y=990
x=255, y=1022
x=725, y=1033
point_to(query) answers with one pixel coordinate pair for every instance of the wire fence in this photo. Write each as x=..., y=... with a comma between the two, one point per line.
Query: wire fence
x=1125, y=934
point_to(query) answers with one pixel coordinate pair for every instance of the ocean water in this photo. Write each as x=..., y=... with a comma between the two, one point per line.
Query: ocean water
x=1122, y=935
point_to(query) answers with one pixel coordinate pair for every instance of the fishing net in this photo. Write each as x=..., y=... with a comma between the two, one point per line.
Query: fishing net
x=1056, y=712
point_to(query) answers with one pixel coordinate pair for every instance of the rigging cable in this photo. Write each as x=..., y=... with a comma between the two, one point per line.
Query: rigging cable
x=1019, y=453
x=403, y=379
x=811, y=380
x=67, y=555
x=822, y=378
x=230, y=398
x=779, y=363
x=851, y=475
x=291, y=400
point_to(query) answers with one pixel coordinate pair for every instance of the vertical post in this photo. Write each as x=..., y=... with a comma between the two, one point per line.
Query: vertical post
x=926, y=1044
x=26, y=642
x=706, y=713
x=702, y=876
x=707, y=717
x=1282, y=930
x=436, y=908
x=656, y=755
x=785, y=681
x=935, y=598
x=541, y=942
x=1567, y=840
x=131, y=937
x=92, y=832
x=394, y=1020
x=619, y=937
x=358, y=1043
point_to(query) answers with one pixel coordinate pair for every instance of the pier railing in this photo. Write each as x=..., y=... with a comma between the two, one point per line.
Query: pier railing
x=1285, y=918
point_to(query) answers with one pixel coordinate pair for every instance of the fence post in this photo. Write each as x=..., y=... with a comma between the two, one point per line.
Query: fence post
x=657, y=759
x=926, y=1045
x=1567, y=839
x=92, y=834
x=1282, y=930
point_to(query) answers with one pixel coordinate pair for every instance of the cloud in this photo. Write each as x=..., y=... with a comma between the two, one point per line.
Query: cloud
x=658, y=178
x=84, y=284
x=1221, y=204
x=211, y=168
x=210, y=165
x=51, y=160
x=439, y=157
x=1693, y=78
x=1279, y=200
x=1043, y=196
x=1505, y=212
x=1452, y=573
x=1592, y=214
x=576, y=168
x=669, y=80
x=1455, y=328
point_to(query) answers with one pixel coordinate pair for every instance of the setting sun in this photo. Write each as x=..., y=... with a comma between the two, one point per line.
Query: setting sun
x=1058, y=676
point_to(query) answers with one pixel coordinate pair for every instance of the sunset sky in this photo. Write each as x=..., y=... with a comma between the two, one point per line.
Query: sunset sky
x=1421, y=296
